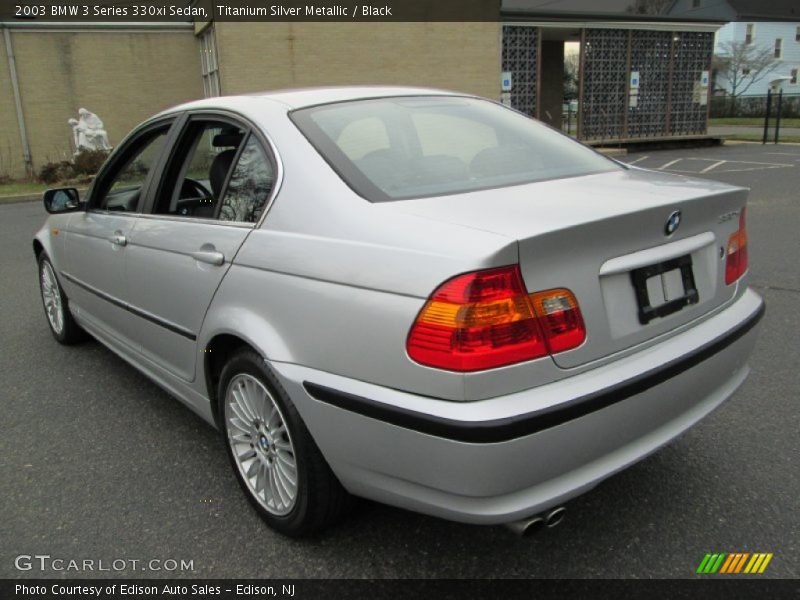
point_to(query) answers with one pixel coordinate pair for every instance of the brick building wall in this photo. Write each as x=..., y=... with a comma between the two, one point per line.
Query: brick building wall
x=11, y=163
x=124, y=76
x=463, y=57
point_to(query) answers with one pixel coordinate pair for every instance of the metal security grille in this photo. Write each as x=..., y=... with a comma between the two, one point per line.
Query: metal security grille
x=650, y=58
x=521, y=58
x=688, y=99
x=602, y=104
x=670, y=99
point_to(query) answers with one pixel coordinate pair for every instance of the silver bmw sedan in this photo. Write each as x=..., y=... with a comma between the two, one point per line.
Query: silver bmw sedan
x=408, y=295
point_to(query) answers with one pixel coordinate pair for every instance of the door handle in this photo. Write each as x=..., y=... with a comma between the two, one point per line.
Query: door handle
x=211, y=257
x=118, y=239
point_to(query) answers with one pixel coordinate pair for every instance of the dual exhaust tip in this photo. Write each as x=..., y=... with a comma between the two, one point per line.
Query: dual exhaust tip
x=531, y=525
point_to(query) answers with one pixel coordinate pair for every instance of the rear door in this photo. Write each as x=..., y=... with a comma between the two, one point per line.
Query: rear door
x=97, y=240
x=214, y=189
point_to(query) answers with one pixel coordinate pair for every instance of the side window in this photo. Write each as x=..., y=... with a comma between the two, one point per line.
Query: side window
x=120, y=189
x=249, y=186
x=198, y=170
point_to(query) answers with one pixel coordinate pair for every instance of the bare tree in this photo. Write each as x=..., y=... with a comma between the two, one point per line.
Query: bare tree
x=743, y=65
x=571, y=70
x=649, y=7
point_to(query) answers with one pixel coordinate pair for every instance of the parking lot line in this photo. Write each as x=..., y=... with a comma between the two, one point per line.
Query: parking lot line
x=669, y=164
x=760, y=166
x=714, y=166
x=795, y=154
x=694, y=165
x=754, y=162
x=754, y=169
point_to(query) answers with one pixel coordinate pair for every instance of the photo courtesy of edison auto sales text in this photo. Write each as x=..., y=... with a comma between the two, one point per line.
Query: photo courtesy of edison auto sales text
x=168, y=589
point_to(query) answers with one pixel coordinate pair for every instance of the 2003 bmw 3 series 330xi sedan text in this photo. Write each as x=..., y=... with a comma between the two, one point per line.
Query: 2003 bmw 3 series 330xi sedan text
x=413, y=296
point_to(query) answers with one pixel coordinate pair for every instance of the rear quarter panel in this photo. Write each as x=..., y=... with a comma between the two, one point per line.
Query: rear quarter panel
x=333, y=282
x=342, y=306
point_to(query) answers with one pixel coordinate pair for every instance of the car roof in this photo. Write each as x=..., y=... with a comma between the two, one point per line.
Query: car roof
x=304, y=97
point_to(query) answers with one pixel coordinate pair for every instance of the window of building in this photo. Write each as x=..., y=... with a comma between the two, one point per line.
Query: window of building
x=797, y=35
x=778, y=47
x=745, y=71
x=793, y=80
x=208, y=63
x=748, y=36
x=696, y=3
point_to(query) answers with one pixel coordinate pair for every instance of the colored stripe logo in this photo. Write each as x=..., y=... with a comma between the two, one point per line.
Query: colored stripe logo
x=732, y=563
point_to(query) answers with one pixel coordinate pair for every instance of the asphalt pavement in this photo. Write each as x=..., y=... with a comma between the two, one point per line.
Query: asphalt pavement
x=98, y=463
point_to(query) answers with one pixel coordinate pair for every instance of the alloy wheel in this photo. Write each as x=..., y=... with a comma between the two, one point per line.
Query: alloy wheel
x=51, y=295
x=261, y=444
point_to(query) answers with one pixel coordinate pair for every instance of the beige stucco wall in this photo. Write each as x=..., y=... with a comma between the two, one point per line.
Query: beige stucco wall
x=122, y=76
x=11, y=161
x=261, y=56
x=125, y=76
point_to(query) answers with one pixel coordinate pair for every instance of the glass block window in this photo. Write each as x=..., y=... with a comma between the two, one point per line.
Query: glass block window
x=520, y=58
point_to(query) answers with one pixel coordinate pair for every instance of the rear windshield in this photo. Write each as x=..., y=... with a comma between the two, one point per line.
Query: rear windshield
x=412, y=147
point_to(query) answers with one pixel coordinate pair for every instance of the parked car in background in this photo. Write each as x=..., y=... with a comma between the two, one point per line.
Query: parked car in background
x=418, y=297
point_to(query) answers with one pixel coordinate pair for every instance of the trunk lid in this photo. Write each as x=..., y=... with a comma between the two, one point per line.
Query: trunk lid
x=588, y=234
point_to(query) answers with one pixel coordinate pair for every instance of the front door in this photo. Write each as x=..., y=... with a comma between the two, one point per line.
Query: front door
x=211, y=196
x=97, y=240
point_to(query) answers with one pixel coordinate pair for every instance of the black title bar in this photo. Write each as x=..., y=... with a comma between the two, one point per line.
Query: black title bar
x=375, y=589
x=185, y=11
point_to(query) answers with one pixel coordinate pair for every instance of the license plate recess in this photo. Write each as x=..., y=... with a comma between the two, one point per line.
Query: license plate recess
x=639, y=277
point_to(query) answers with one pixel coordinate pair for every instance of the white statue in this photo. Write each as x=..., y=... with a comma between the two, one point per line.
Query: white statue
x=78, y=134
x=88, y=132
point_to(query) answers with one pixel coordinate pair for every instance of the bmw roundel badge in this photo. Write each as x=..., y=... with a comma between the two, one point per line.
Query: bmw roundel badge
x=673, y=221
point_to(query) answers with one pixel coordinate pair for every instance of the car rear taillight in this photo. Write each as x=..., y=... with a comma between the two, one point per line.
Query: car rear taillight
x=487, y=319
x=736, y=253
x=560, y=319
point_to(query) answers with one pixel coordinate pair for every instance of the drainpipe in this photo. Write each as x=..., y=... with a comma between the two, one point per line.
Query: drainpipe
x=23, y=134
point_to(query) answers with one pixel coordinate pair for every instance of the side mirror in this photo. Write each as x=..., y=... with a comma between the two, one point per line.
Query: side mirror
x=61, y=200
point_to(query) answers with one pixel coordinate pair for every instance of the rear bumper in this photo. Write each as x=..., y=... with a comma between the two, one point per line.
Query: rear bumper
x=497, y=460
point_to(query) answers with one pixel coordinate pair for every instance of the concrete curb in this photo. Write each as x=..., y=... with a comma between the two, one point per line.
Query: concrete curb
x=19, y=199
x=613, y=151
x=728, y=142
x=37, y=197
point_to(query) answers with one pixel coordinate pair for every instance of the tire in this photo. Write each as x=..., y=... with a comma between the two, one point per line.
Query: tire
x=273, y=456
x=56, y=306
